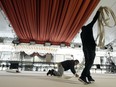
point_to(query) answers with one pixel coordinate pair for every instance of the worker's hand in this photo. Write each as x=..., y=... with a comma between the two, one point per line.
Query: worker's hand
x=76, y=75
x=100, y=9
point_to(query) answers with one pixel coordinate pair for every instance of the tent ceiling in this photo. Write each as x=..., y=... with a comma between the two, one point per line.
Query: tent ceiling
x=7, y=31
x=54, y=21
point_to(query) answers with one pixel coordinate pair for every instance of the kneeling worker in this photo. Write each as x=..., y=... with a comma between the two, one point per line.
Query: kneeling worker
x=64, y=66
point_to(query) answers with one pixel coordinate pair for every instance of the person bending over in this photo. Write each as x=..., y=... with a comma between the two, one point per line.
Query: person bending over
x=89, y=47
x=64, y=66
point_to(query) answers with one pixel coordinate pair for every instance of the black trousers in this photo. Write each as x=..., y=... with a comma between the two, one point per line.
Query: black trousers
x=89, y=59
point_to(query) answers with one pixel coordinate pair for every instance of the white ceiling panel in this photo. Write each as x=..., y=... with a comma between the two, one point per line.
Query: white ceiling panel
x=110, y=33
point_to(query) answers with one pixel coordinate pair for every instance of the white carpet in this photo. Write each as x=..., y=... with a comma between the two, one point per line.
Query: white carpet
x=39, y=79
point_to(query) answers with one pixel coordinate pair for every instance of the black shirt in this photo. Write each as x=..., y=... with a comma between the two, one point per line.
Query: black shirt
x=69, y=64
x=87, y=38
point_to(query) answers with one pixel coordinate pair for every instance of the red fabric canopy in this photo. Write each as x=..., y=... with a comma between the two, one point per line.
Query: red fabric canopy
x=54, y=21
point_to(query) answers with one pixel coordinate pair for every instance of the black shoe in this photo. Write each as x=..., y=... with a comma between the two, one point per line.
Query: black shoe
x=83, y=80
x=90, y=79
x=49, y=72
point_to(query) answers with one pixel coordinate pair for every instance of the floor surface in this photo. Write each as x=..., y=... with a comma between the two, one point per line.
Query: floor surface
x=39, y=79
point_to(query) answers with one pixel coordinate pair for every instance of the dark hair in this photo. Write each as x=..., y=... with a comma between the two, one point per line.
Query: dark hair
x=77, y=61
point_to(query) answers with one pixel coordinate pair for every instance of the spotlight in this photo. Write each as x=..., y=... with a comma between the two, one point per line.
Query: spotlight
x=32, y=43
x=62, y=45
x=47, y=44
x=72, y=45
x=16, y=42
